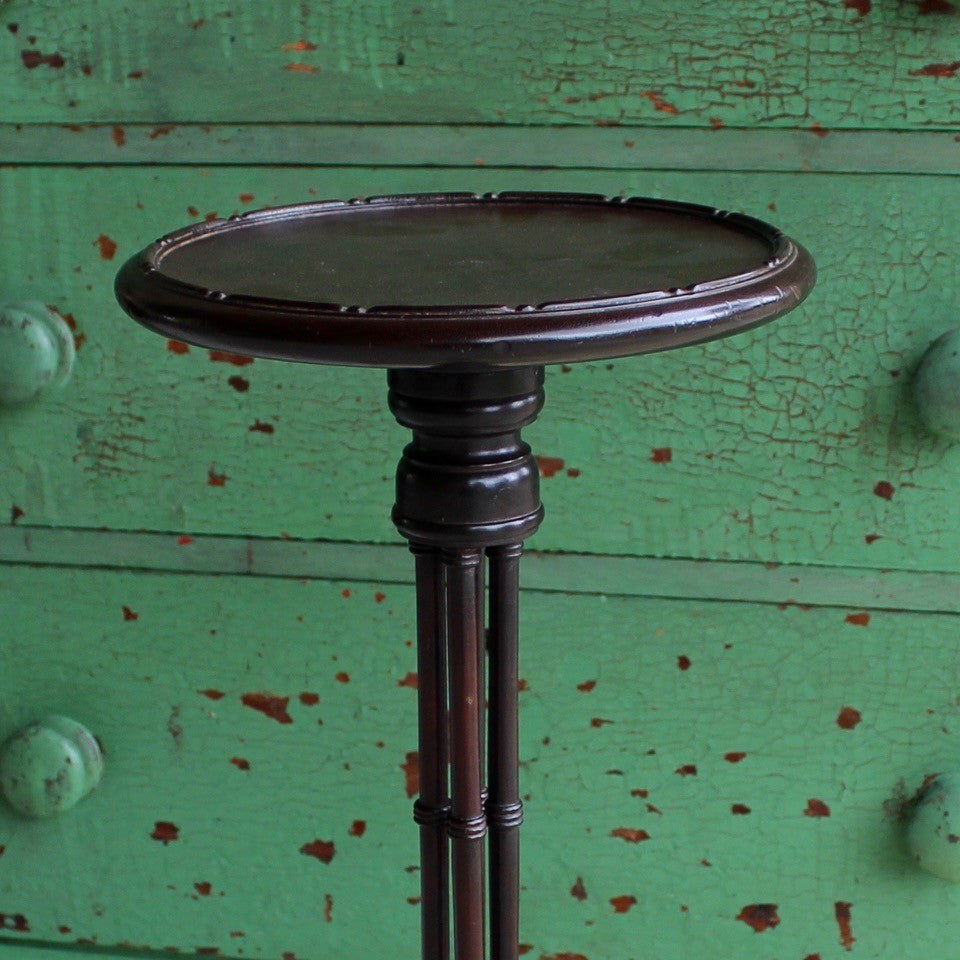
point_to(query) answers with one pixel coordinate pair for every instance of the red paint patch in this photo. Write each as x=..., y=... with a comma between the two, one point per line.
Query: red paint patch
x=658, y=102
x=129, y=614
x=165, y=832
x=343, y=677
x=884, y=489
x=819, y=131
x=862, y=7
x=240, y=384
x=15, y=513
x=578, y=891
x=411, y=680
x=687, y=770
x=273, y=707
x=739, y=809
x=848, y=718
x=215, y=479
x=411, y=771
x=734, y=756
x=178, y=347
x=661, y=454
x=240, y=763
x=358, y=828
x=16, y=922
x=550, y=466
x=203, y=888
x=630, y=834
x=323, y=850
x=598, y=722
x=816, y=808
x=212, y=694
x=842, y=912
x=327, y=908
x=857, y=619
x=237, y=359
x=683, y=662
x=586, y=686
x=34, y=58
x=309, y=699
x=622, y=903
x=937, y=70
x=107, y=247
x=760, y=916
x=246, y=198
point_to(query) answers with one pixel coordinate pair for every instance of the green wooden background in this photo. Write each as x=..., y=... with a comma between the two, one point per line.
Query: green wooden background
x=800, y=489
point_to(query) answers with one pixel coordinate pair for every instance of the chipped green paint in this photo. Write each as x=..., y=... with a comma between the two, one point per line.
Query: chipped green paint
x=799, y=443
x=703, y=758
x=741, y=63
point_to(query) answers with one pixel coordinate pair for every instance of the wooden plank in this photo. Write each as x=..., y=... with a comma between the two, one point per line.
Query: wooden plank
x=777, y=445
x=413, y=145
x=625, y=702
x=779, y=63
x=567, y=573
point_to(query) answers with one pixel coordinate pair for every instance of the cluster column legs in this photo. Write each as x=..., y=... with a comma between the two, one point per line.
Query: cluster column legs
x=467, y=496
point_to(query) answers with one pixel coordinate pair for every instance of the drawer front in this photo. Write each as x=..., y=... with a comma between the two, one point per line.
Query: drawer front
x=701, y=779
x=784, y=64
x=797, y=442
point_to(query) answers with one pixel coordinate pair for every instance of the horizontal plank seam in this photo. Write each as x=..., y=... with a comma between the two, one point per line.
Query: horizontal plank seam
x=543, y=572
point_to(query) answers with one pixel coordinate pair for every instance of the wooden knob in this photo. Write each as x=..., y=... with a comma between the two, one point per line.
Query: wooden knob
x=936, y=386
x=49, y=766
x=933, y=834
x=36, y=351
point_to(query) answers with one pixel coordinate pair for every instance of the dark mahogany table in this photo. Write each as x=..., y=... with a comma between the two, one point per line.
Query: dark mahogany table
x=463, y=299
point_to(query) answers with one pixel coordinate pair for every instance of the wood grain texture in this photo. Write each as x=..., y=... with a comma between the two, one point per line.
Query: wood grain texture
x=795, y=443
x=687, y=755
x=777, y=63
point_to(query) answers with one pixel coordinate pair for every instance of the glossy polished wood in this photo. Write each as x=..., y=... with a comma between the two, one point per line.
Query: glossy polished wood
x=509, y=279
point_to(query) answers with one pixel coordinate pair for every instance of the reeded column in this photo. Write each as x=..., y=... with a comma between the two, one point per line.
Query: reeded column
x=467, y=490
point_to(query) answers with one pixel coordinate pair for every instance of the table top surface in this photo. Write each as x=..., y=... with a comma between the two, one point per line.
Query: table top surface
x=509, y=279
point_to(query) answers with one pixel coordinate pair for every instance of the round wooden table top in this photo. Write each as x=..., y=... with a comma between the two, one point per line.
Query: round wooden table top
x=501, y=280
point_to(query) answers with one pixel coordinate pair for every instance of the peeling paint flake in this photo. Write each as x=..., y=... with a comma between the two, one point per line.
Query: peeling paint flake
x=841, y=910
x=760, y=916
x=322, y=850
x=269, y=705
x=34, y=58
x=630, y=834
x=107, y=247
x=165, y=832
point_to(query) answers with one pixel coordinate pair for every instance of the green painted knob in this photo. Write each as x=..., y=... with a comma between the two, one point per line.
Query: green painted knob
x=49, y=766
x=933, y=834
x=36, y=351
x=936, y=386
